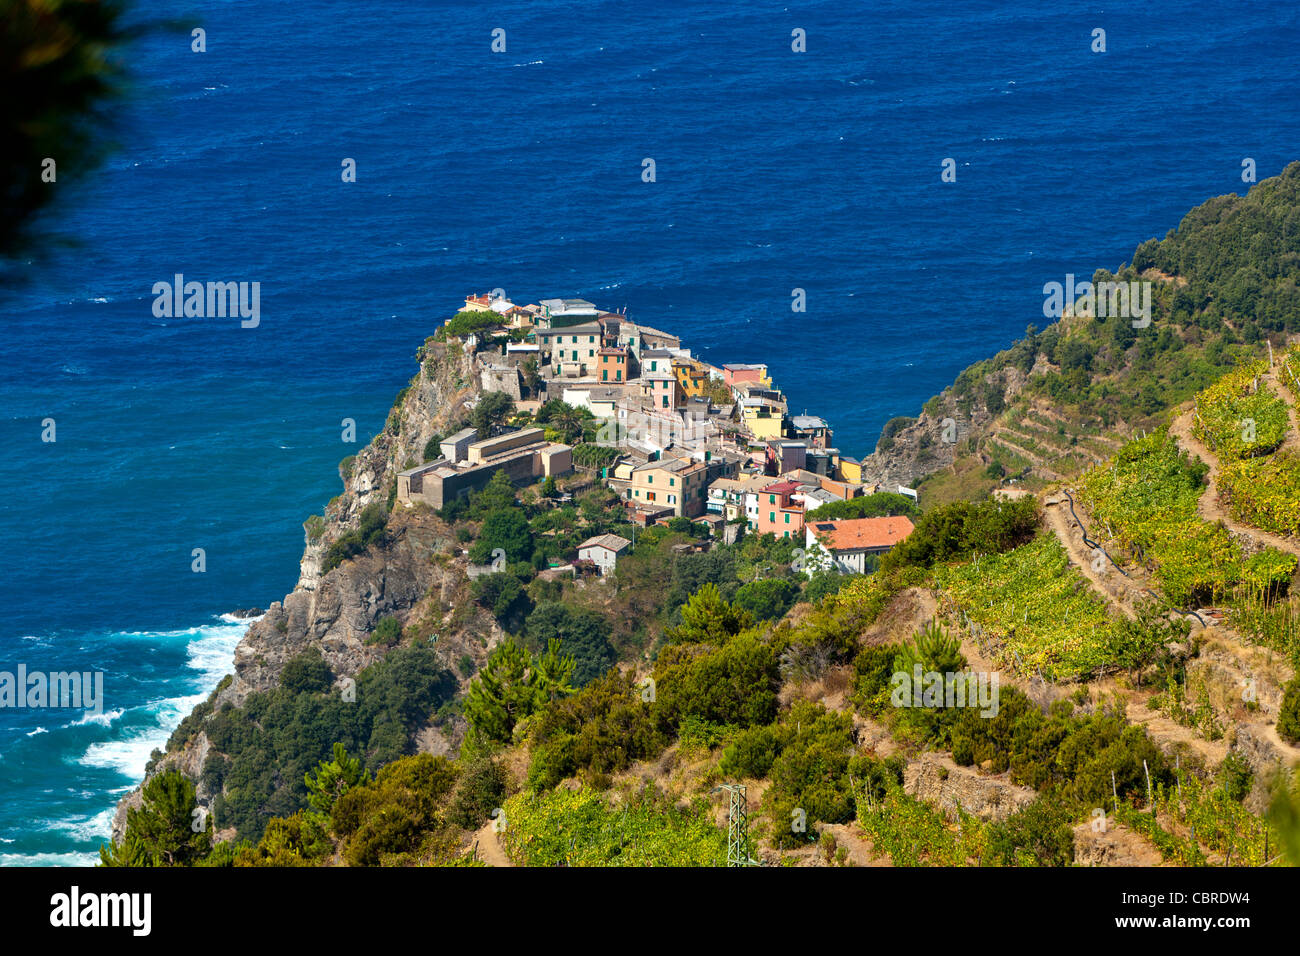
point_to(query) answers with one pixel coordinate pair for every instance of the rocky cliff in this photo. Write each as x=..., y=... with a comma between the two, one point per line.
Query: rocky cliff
x=415, y=574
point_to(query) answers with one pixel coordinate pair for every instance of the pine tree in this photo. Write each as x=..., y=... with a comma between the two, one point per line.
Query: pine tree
x=333, y=778
x=707, y=618
x=511, y=686
x=160, y=832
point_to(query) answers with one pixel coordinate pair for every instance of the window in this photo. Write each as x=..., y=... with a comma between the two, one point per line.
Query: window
x=672, y=482
x=771, y=499
x=771, y=516
x=649, y=479
x=604, y=375
x=665, y=401
x=575, y=340
x=787, y=521
x=672, y=499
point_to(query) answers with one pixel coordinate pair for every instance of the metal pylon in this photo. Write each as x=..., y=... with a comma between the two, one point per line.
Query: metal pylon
x=737, y=827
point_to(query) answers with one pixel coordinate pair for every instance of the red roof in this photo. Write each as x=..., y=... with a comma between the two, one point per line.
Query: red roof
x=781, y=488
x=858, y=534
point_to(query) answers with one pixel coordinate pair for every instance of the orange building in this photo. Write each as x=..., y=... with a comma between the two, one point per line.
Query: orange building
x=611, y=364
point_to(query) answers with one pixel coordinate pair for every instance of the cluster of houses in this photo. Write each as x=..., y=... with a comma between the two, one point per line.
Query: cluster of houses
x=717, y=445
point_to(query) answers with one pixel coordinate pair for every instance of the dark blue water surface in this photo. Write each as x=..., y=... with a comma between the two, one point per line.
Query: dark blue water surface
x=522, y=170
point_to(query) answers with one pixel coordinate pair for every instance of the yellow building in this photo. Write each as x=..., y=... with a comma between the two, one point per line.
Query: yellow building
x=675, y=483
x=691, y=378
x=851, y=470
x=762, y=419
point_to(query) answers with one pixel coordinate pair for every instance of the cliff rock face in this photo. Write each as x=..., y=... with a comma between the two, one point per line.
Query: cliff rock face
x=946, y=427
x=1117, y=845
x=415, y=574
x=937, y=780
x=447, y=385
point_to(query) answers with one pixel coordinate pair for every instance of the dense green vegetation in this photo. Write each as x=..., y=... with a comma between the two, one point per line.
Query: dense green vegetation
x=1221, y=283
x=467, y=322
x=963, y=529
x=160, y=831
x=263, y=750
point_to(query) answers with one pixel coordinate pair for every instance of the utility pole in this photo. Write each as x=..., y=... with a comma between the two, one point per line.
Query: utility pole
x=737, y=826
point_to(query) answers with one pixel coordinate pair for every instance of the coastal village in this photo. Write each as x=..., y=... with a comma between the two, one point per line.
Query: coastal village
x=687, y=439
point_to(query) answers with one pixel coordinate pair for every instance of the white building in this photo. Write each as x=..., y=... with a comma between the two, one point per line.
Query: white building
x=603, y=551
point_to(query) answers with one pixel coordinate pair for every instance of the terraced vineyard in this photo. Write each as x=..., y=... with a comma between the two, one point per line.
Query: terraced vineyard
x=1196, y=816
x=1034, y=610
x=1264, y=492
x=1259, y=481
x=1239, y=416
x=1271, y=621
x=583, y=828
x=1145, y=501
x=913, y=833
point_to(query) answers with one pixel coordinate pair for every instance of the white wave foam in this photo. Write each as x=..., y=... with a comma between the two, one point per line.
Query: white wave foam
x=211, y=652
x=48, y=859
x=38, y=730
x=104, y=720
x=84, y=827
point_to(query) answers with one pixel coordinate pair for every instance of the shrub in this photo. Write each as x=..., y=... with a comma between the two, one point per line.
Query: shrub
x=386, y=633
x=370, y=529
x=734, y=684
x=307, y=673
x=1040, y=834
x=1288, y=717
x=507, y=529
x=880, y=505
x=583, y=635
x=767, y=599
x=963, y=528
x=480, y=790
x=604, y=728
x=751, y=753
x=503, y=595
x=393, y=815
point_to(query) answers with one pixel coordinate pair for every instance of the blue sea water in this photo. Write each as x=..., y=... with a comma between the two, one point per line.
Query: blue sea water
x=522, y=170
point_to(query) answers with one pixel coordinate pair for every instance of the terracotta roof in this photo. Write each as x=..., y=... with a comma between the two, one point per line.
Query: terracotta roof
x=781, y=488
x=857, y=534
